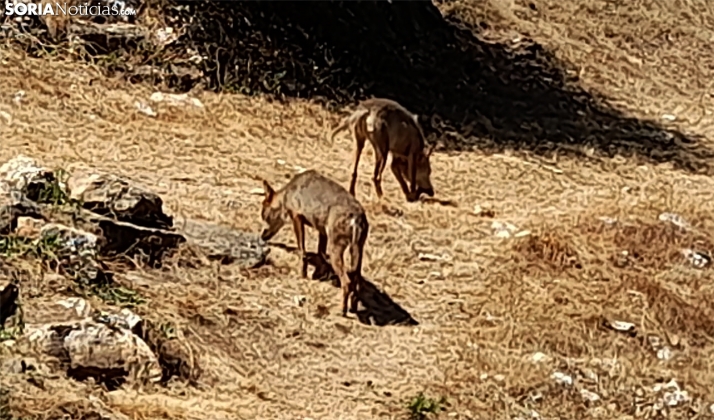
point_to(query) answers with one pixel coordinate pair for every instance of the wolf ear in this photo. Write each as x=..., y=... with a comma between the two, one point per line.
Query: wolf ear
x=269, y=192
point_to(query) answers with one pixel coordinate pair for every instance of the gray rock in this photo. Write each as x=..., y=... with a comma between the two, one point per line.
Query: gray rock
x=28, y=227
x=75, y=250
x=88, y=348
x=120, y=199
x=22, y=177
x=96, y=235
x=71, y=308
x=225, y=244
x=128, y=239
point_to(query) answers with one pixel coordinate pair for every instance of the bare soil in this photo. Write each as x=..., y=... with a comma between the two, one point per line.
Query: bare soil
x=496, y=317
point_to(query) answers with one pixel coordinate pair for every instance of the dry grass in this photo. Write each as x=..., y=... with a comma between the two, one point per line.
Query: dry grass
x=483, y=313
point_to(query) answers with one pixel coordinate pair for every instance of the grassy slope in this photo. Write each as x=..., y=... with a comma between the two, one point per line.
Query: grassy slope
x=483, y=314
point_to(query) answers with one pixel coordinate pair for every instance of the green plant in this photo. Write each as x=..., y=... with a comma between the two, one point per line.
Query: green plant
x=10, y=333
x=92, y=280
x=12, y=245
x=421, y=406
x=168, y=330
x=47, y=247
x=117, y=295
x=54, y=191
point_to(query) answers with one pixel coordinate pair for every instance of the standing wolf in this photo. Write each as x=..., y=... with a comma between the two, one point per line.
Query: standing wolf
x=312, y=199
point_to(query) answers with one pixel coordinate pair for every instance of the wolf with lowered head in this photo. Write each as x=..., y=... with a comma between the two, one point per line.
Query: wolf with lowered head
x=312, y=199
x=389, y=127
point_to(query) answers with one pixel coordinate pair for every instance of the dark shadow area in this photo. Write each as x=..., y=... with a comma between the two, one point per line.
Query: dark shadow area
x=467, y=92
x=111, y=378
x=8, y=302
x=379, y=308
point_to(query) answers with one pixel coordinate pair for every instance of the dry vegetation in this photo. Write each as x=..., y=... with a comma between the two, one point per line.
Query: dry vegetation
x=496, y=319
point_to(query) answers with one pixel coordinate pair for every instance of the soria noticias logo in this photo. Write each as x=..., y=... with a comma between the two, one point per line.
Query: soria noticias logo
x=116, y=8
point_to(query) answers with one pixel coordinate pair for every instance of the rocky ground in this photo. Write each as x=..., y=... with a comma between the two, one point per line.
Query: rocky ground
x=572, y=278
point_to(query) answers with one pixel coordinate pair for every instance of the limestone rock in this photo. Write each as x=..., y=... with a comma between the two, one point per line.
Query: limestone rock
x=96, y=235
x=24, y=175
x=73, y=308
x=24, y=183
x=29, y=227
x=76, y=251
x=72, y=239
x=90, y=348
x=119, y=198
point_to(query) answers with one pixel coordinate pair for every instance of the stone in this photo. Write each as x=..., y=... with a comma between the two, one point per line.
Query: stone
x=24, y=175
x=75, y=307
x=72, y=239
x=175, y=99
x=119, y=198
x=227, y=245
x=115, y=215
x=128, y=239
x=29, y=227
x=89, y=348
x=125, y=319
x=76, y=251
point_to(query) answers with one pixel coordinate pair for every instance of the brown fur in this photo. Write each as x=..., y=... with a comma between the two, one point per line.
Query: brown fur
x=390, y=128
x=312, y=199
